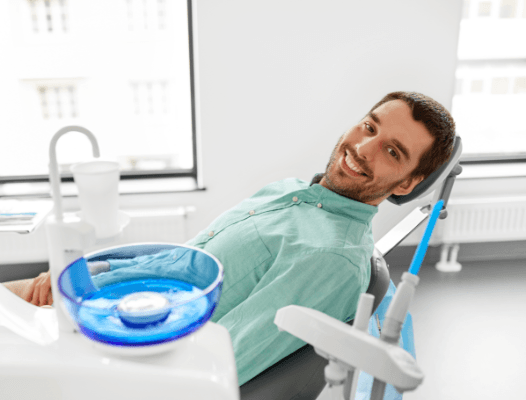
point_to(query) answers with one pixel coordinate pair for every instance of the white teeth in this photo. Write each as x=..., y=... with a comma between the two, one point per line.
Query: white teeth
x=351, y=165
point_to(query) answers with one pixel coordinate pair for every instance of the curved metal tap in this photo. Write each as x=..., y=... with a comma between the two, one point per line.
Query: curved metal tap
x=54, y=177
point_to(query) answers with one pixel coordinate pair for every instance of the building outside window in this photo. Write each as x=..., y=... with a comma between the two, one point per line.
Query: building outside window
x=489, y=105
x=121, y=69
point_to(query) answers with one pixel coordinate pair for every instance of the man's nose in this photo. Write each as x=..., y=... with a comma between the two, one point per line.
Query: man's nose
x=368, y=148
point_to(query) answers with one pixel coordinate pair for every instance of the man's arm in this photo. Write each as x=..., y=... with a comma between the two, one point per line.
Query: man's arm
x=323, y=281
x=37, y=291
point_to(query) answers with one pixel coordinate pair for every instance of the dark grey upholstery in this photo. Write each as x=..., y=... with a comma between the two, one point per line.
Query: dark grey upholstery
x=380, y=279
x=300, y=376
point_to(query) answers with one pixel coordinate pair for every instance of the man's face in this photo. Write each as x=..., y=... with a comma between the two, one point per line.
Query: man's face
x=386, y=145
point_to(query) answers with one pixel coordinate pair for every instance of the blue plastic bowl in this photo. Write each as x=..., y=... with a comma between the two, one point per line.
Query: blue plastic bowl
x=155, y=293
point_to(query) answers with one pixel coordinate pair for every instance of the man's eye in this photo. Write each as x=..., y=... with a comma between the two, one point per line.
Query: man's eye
x=369, y=127
x=393, y=153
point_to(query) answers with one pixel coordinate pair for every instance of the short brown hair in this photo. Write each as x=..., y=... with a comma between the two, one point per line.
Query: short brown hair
x=437, y=120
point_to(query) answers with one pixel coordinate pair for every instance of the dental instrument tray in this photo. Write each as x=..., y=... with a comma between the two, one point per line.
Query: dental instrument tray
x=152, y=294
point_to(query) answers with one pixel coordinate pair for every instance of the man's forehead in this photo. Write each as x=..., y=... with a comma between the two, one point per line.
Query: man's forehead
x=396, y=116
x=394, y=108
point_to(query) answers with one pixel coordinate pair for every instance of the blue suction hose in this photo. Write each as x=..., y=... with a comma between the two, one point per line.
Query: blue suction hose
x=395, y=315
x=422, y=246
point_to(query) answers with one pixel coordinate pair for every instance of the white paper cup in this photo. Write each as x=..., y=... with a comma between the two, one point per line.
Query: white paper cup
x=98, y=185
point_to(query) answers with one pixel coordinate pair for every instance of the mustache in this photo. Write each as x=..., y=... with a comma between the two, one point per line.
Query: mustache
x=359, y=162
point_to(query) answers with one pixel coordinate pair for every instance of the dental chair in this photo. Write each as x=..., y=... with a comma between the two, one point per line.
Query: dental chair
x=300, y=376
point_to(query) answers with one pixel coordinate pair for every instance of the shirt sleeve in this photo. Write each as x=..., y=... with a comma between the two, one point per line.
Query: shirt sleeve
x=183, y=264
x=327, y=282
x=121, y=269
x=144, y=260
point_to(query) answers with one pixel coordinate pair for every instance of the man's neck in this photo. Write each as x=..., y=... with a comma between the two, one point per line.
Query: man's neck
x=319, y=177
x=316, y=179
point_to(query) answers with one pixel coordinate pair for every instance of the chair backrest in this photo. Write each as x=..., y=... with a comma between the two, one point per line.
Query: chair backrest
x=380, y=278
x=300, y=375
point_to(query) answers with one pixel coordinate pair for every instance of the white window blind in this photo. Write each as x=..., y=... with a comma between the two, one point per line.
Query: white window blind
x=490, y=95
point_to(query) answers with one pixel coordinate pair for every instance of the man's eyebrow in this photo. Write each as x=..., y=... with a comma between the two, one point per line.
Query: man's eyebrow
x=402, y=148
x=396, y=142
x=374, y=117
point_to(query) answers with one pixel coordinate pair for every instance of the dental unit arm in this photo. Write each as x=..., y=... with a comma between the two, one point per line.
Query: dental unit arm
x=68, y=235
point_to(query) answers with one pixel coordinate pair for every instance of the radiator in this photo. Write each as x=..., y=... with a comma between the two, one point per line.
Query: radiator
x=145, y=226
x=479, y=220
x=484, y=220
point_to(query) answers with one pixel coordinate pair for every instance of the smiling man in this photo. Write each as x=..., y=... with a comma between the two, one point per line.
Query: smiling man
x=384, y=153
x=309, y=244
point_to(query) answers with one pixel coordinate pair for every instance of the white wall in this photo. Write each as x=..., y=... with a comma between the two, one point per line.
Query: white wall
x=280, y=80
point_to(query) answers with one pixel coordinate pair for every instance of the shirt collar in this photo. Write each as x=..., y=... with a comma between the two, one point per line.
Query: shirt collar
x=337, y=204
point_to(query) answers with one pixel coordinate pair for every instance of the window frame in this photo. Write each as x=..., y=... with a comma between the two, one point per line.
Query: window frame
x=146, y=174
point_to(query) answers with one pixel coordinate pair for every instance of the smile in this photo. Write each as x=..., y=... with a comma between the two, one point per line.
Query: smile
x=350, y=167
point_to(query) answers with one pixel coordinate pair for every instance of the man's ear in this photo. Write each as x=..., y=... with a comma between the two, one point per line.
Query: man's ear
x=407, y=186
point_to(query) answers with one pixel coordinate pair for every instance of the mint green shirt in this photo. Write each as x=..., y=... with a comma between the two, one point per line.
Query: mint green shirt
x=290, y=243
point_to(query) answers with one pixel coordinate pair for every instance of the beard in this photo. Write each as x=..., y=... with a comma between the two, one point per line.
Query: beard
x=339, y=182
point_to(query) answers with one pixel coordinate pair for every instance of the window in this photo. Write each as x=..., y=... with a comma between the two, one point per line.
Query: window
x=121, y=69
x=490, y=94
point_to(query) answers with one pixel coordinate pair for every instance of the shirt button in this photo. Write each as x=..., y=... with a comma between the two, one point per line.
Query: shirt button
x=294, y=198
x=211, y=233
x=319, y=205
x=174, y=257
x=252, y=212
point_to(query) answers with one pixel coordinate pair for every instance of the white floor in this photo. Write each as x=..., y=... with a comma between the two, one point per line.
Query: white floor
x=470, y=331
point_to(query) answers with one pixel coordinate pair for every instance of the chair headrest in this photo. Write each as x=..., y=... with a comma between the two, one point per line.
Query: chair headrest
x=432, y=181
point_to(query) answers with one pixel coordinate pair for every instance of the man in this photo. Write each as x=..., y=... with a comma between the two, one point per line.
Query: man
x=310, y=245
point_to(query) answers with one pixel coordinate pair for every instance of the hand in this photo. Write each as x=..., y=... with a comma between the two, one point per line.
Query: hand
x=39, y=292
